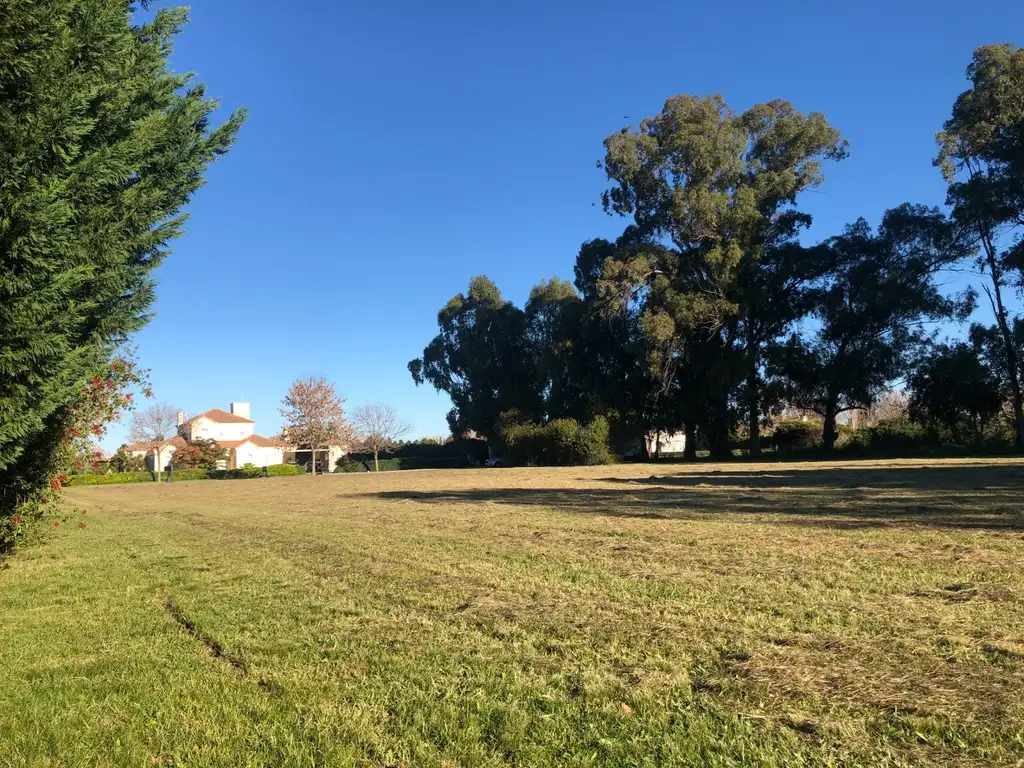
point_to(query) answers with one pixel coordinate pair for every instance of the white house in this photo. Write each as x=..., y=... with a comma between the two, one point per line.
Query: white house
x=234, y=431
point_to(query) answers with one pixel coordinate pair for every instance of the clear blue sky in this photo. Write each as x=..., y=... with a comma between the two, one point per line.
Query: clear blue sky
x=396, y=149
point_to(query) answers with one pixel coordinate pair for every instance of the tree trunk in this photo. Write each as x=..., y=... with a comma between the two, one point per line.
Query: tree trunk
x=718, y=433
x=312, y=460
x=376, y=461
x=753, y=383
x=690, y=442
x=829, y=435
x=1012, y=363
x=158, y=465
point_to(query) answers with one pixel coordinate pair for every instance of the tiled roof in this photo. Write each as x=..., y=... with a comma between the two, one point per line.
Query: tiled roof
x=221, y=417
x=260, y=442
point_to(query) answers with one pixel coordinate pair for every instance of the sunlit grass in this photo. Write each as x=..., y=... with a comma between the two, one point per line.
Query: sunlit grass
x=748, y=615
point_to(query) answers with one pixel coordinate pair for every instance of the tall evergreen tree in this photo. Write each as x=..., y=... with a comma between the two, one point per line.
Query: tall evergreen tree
x=870, y=307
x=481, y=358
x=981, y=154
x=101, y=145
x=710, y=191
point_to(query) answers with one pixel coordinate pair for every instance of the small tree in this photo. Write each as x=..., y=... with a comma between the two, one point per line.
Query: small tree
x=157, y=422
x=314, y=416
x=953, y=387
x=123, y=461
x=379, y=428
x=200, y=452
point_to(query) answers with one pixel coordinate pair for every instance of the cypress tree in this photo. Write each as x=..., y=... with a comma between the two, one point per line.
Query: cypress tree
x=101, y=146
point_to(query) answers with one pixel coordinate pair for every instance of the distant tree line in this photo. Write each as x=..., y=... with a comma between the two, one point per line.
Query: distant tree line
x=710, y=315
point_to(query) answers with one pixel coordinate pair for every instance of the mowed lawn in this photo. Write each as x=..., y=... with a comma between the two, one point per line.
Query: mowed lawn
x=717, y=615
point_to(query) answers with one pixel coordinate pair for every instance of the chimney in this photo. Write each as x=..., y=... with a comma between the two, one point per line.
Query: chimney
x=181, y=417
x=240, y=409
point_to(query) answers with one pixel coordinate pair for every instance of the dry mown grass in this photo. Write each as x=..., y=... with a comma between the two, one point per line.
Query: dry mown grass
x=784, y=614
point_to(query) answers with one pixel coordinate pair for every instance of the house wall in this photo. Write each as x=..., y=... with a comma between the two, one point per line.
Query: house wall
x=209, y=430
x=254, y=454
x=165, y=458
x=671, y=442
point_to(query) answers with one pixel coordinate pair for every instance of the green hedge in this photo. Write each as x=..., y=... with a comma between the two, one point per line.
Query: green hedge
x=360, y=464
x=559, y=443
x=113, y=478
x=793, y=435
x=194, y=473
x=247, y=472
x=285, y=470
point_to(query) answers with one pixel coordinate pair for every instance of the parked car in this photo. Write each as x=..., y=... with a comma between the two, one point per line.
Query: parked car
x=496, y=461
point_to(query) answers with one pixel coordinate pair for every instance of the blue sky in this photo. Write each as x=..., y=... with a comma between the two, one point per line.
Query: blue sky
x=396, y=149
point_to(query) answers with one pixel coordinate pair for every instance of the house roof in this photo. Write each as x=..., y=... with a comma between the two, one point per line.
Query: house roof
x=179, y=442
x=257, y=440
x=220, y=417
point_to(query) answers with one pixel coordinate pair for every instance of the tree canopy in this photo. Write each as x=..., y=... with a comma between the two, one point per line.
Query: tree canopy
x=101, y=147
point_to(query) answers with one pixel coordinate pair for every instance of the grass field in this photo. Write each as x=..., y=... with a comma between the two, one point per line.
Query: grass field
x=733, y=615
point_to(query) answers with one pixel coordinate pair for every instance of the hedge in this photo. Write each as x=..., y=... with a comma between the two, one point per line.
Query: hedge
x=559, y=443
x=360, y=464
x=113, y=478
x=285, y=470
x=249, y=471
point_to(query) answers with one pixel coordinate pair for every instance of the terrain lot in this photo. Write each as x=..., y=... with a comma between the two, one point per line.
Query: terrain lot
x=854, y=614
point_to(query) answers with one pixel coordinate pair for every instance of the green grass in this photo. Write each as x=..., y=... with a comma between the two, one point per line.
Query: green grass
x=734, y=615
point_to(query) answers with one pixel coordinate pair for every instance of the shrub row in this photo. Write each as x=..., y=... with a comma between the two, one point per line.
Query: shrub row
x=196, y=473
x=361, y=464
x=562, y=442
x=111, y=479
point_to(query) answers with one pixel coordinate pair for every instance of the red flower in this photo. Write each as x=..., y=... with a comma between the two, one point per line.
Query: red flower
x=56, y=523
x=83, y=511
x=81, y=525
x=128, y=396
x=17, y=519
x=55, y=484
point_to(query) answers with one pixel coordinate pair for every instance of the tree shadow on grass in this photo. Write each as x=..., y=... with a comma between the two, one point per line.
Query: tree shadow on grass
x=967, y=497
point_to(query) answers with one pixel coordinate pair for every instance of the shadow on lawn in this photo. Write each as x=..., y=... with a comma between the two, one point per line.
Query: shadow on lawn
x=984, y=497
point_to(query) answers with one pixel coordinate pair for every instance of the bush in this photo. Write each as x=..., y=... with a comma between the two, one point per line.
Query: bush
x=562, y=442
x=285, y=470
x=196, y=473
x=359, y=463
x=792, y=435
x=893, y=437
x=113, y=478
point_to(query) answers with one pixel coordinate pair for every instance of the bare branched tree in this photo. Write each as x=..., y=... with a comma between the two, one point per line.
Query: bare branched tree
x=315, y=417
x=157, y=422
x=379, y=428
x=889, y=405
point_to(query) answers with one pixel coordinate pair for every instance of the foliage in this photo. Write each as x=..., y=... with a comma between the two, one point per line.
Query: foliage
x=893, y=437
x=154, y=423
x=870, y=307
x=248, y=471
x=378, y=428
x=193, y=473
x=791, y=435
x=123, y=461
x=981, y=159
x=314, y=416
x=32, y=483
x=712, y=194
x=112, y=478
x=562, y=442
x=101, y=147
x=199, y=453
x=285, y=470
x=479, y=358
x=954, y=388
